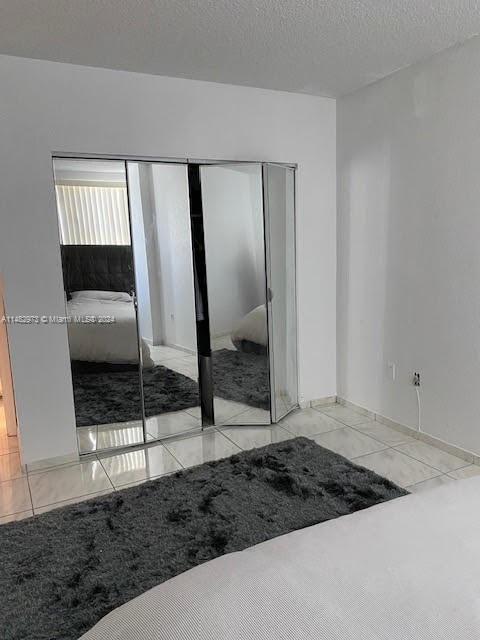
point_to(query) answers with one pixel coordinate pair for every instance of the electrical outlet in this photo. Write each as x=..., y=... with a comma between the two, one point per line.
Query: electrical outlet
x=392, y=371
x=416, y=379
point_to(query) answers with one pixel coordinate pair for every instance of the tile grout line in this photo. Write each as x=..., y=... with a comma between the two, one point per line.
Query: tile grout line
x=174, y=456
x=69, y=501
x=439, y=472
x=385, y=445
x=106, y=473
x=414, y=484
x=314, y=435
x=234, y=443
x=390, y=446
x=425, y=463
x=235, y=415
x=341, y=421
x=230, y=440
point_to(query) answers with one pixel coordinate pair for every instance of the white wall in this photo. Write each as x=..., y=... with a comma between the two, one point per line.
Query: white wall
x=139, y=247
x=47, y=107
x=408, y=244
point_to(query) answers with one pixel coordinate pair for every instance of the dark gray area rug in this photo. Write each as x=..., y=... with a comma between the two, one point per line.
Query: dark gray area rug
x=241, y=377
x=105, y=397
x=114, y=396
x=62, y=571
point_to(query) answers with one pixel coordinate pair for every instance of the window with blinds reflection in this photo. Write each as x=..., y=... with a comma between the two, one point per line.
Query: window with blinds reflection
x=93, y=214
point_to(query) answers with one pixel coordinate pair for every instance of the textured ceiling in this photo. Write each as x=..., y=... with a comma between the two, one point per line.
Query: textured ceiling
x=329, y=47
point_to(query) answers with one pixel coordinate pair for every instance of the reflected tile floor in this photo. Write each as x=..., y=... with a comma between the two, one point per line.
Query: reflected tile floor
x=407, y=461
x=170, y=424
x=225, y=410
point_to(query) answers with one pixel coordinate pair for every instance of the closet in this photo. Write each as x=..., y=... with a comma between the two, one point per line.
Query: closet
x=179, y=282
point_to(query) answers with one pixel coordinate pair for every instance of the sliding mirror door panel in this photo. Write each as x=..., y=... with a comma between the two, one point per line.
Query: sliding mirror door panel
x=99, y=283
x=235, y=262
x=279, y=199
x=161, y=237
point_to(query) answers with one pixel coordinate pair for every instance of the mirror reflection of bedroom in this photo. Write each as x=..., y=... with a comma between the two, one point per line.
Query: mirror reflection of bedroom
x=162, y=246
x=118, y=325
x=98, y=275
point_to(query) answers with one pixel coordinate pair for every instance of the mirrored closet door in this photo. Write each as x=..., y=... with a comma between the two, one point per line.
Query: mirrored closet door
x=279, y=202
x=179, y=283
x=100, y=298
x=160, y=214
x=233, y=226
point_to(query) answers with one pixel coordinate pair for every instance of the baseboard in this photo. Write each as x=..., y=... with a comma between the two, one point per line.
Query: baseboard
x=321, y=402
x=349, y=405
x=172, y=345
x=464, y=454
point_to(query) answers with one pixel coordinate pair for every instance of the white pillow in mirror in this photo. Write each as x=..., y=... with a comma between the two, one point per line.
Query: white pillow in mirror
x=252, y=327
x=117, y=296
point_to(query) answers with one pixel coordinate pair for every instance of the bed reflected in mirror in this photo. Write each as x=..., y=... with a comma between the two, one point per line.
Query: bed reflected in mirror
x=99, y=284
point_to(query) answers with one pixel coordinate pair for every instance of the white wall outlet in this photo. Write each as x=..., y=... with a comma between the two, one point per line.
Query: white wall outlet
x=392, y=371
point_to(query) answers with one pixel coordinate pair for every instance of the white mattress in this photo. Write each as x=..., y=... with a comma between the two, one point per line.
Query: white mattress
x=404, y=570
x=113, y=342
x=252, y=327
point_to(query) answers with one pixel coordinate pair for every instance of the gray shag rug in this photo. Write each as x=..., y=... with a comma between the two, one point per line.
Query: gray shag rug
x=105, y=397
x=114, y=396
x=62, y=571
x=241, y=377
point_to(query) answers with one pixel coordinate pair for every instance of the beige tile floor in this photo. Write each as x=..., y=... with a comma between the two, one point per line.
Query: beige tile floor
x=408, y=462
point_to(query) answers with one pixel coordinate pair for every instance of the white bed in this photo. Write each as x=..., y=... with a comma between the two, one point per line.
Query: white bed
x=251, y=333
x=102, y=340
x=408, y=569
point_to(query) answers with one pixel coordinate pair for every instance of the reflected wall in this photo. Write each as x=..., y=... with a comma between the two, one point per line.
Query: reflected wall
x=162, y=246
x=235, y=261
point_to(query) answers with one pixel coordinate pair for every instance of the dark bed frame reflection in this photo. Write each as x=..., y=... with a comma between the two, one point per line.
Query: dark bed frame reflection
x=104, y=392
x=97, y=267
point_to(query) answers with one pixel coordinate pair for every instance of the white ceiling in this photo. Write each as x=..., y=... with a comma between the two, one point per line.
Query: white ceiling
x=322, y=47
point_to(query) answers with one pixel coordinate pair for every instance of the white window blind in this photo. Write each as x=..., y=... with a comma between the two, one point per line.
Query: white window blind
x=93, y=214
